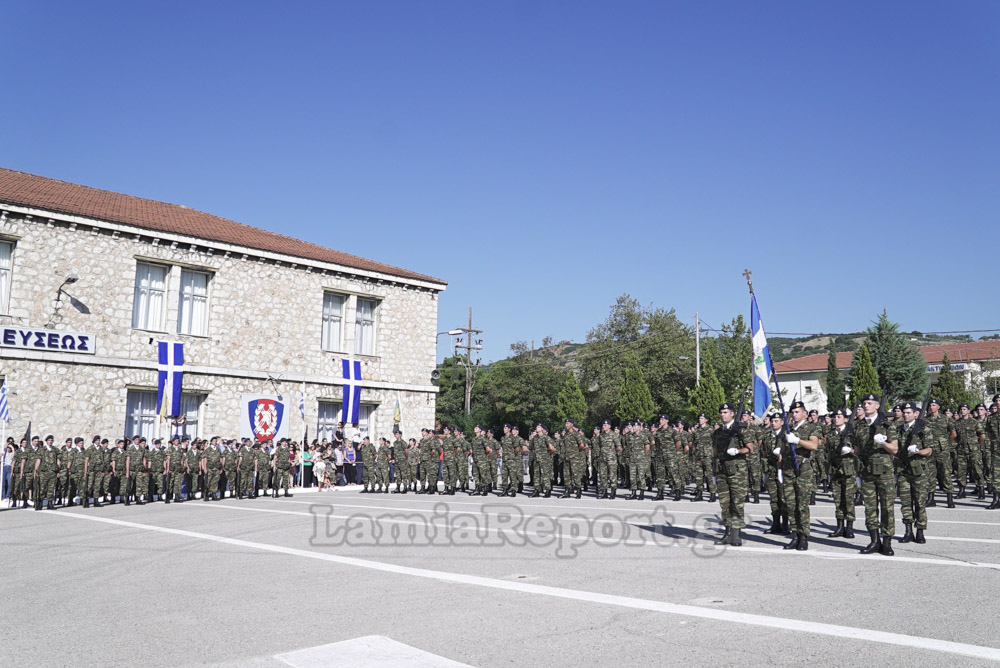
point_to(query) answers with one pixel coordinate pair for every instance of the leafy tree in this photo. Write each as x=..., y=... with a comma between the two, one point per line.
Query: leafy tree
x=519, y=391
x=949, y=390
x=897, y=361
x=570, y=402
x=864, y=379
x=732, y=351
x=657, y=338
x=634, y=399
x=707, y=396
x=449, y=406
x=835, y=390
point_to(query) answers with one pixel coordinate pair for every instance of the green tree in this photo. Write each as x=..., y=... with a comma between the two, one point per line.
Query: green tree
x=708, y=395
x=949, y=390
x=733, y=351
x=570, y=402
x=835, y=390
x=864, y=379
x=634, y=399
x=897, y=361
x=518, y=391
x=449, y=406
x=655, y=336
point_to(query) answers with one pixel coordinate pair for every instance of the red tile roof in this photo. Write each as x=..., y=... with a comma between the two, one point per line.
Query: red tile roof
x=957, y=352
x=39, y=192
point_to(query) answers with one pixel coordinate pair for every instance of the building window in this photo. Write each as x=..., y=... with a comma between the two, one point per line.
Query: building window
x=329, y=420
x=192, y=311
x=6, y=264
x=333, y=318
x=150, y=291
x=365, y=425
x=809, y=389
x=140, y=416
x=364, y=327
x=187, y=422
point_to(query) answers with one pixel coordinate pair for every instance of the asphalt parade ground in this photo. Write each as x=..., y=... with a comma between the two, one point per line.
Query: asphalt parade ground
x=344, y=578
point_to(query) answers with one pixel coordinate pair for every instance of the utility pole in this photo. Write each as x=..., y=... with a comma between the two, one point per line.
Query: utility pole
x=697, y=350
x=470, y=345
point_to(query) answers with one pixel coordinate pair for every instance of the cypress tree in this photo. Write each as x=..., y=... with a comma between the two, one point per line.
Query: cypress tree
x=897, y=361
x=570, y=402
x=949, y=390
x=707, y=397
x=634, y=400
x=835, y=391
x=864, y=380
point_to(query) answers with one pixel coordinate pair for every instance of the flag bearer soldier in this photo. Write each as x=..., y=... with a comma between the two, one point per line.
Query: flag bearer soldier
x=796, y=446
x=731, y=450
x=775, y=488
x=843, y=474
x=914, y=458
x=874, y=441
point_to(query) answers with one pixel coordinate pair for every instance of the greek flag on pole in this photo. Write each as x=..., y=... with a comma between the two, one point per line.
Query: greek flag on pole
x=4, y=412
x=761, y=362
x=351, y=404
x=169, y=379
x=302, y=402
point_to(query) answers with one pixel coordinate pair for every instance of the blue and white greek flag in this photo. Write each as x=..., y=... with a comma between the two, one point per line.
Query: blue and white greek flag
x=762, y=369
x=351, y=404
x=169, y=378
x=302, y=402
x=4, y=412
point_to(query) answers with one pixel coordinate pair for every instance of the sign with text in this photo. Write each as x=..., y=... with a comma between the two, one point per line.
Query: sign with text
x=47, y=339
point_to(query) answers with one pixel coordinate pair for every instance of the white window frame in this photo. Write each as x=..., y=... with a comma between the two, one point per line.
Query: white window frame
x=327, y=420
x=6, y=277
x=191, y=404
x=193, y=300
x=328, y=342
x=359, y=327
x=140, y=414
x=137, y=295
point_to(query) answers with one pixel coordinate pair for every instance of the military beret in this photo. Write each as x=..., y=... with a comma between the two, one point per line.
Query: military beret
x=745, y=412
x=507, y=425
x=478, y=426
x=796, y=404
x=606, y=421
x=489, y=431
x=50, y=437
x=814, y=412
x=933, y=401
x=773, y=416
x=96, y=439
x=726, y=407
x=871, y=397
x=961, y=406
x=515, y=428
x=664, y=416
x=995, y=397
x=571, y=421
x=702, y=415
x=843, y=412
x=680, y=423
x=78, y=440
x=544, y=428
x=897, y=407
x=909, y=405
x=156, y=441
x=978, y=406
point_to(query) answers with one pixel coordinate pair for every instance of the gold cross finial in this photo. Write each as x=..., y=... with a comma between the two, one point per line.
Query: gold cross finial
x=746, y=275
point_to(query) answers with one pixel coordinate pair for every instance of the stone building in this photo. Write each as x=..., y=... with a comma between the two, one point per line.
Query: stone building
x=92, y=280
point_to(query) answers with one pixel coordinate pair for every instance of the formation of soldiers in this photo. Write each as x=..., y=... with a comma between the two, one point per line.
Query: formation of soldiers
x=870, y=458
x=46, y=475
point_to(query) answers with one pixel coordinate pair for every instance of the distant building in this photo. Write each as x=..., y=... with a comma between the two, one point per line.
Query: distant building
x=257, y=312
x=978, y=363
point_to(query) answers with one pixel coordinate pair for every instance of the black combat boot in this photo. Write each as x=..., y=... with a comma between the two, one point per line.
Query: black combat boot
x=534, y=494
x=86, y=502
x=755, y=497
x=736, y=538
x=839, y=530
x=887, y=546
x=699, y=496
x=512, y=493
x=980, y=492
x=812, y=499
x=677, y=494
x=712, y=498
x=659, y=496
x=127, y=500
x=642, y=494
x=793, y=544
x=548, y=494
x=996, y=502
x=951, y=501
x=579, y=492
x=961, y=492
x=775, y=529
x=874, y=546
x=614, y=492
x=288, y=496
x=275, y=495
x=724, y=540
x=931, y=500
x=908, y=534
x=634, y=495
x=803, y=543
x=566, y=494
x=97, y=502
x=849, y=530
x=919, y=538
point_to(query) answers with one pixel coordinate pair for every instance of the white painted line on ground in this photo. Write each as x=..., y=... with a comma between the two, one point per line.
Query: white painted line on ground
x=784, y=624
x=366, y=652
x=650, y=540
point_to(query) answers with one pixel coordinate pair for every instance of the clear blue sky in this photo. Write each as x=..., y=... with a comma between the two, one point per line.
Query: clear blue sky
x=545, y=157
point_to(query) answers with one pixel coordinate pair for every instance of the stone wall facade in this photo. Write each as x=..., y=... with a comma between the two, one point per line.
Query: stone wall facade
x=263, y=334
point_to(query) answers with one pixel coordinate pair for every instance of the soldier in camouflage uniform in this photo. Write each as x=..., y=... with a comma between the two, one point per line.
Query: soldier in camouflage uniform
x=731, y=449
x=173, y=471
x=117, y=463
x=480, y=462
x=573, y=452
x=135, y=458
x=938, y=433
x=664, y=443
x=913, y=453
x=969, y=438
x=796, y=446
x=17, y=476
x=985, y=447
x=367, y=452
x=449, y=449
x=282, y=466
x=873, y=439
x=775, y=490
x=513, y=473
x=609, y=447
x=429, y=453
x=703, y=460
x=46, y=470
x=638, y=453
x=753, y=435
x=212, y=462
x=62, y=478
x=818, y=459
x=400, y=457
x=992, y=427
x=843, y=474
x=542, y=449
x=462, y=448
x=382, y=466
x=247, y=463
x=192, y=468
x=493, y=455
x=229, y=469
x=677, y=460
x=263, y=457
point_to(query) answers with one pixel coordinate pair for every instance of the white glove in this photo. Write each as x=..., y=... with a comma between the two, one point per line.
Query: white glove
x=880, y=439
x=913, y=449
x=845, y=450
x=732, y=452
x=792, y=439
x=776, y=451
